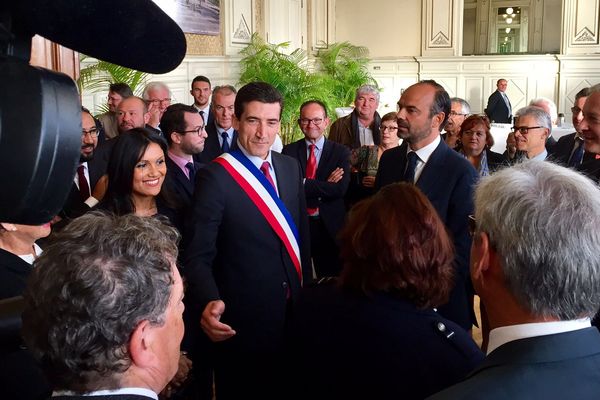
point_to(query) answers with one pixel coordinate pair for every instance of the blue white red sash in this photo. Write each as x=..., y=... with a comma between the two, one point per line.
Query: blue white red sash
x=264, y=196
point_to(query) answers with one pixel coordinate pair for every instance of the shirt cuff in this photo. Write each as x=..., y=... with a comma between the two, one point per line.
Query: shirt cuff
x=91, y=201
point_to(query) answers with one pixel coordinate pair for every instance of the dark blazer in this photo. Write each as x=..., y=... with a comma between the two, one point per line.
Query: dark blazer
x=233, y=254
x=590, y=165
x=179, y=186
x=495, y=160
x=447, y=180
x=497, y=110
x=14, y=272
x=560, y=366
x=327, y=196
x=74, y=206
x=212, y=148
x=350, y=346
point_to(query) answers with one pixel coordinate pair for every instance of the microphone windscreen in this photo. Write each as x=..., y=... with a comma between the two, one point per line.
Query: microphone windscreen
x=134, y=33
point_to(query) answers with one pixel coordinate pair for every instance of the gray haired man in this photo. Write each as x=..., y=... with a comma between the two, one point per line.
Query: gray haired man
x=104, y=308
x=535, y=265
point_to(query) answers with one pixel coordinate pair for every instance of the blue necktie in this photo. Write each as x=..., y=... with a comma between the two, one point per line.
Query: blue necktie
x=191, y=170
x=225, y=146
x=411, y=165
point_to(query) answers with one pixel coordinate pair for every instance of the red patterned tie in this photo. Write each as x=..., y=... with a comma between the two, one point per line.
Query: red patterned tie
x=311, y=172
x=264, y=168
x=84, y=187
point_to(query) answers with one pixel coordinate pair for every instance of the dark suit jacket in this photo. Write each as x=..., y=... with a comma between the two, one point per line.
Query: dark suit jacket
x=590, y=165
x=560, y=366
x=351, y=346
x=447, y=180
x=212, y=148
x=179, y=186
x=327, y=196
x=234, y=255
x=497, y=110
x=14, y=272
x=74, y=206
x=495, y=160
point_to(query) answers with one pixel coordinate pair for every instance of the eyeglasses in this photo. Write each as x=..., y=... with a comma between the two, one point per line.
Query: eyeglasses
x=196, y=131
x=159, y=101
x=576, y=110
x=454, y=114
x=92, y=132
x=307, y=121
x=472, y=225
x=524, y=130
x=384, y=128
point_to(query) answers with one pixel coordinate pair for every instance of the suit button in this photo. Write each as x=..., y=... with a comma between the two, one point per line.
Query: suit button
x=284, y=285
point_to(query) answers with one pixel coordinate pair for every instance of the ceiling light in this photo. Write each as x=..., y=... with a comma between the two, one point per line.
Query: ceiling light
x=509, y=10
x=507, y=30
x=509, y=20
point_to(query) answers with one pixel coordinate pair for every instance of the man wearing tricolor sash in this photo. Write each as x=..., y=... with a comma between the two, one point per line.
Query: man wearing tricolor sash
x=247, y=252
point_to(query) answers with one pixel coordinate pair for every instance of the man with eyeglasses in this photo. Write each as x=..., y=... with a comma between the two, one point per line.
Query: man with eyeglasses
x=532, y=128
x=222, y=137
x=535, y=265
x=498, y=108
x=459, y=110
x=184, y=130
x=325, y=166
x=81, y=198
x=157, y=96
x=570, y=149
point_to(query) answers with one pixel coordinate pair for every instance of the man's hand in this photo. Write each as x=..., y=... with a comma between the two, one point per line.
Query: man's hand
x=336, y=175
x=154, y=110
x=215, y=330
x=368, y=181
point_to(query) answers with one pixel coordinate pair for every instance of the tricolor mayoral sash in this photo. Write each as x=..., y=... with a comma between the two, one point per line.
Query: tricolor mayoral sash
x=264, y=196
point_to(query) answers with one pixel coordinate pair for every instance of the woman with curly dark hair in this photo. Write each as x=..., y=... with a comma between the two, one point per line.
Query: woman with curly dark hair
x=374, y=333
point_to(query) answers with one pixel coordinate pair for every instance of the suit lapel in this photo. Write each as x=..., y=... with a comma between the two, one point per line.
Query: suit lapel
x=284, y=176
x=301, y=148
x=322, y=168
x=179, y=175
x=430, y=173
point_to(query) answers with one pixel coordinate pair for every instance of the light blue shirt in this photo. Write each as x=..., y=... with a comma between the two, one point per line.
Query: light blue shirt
x=229, y=135
x=318, y=148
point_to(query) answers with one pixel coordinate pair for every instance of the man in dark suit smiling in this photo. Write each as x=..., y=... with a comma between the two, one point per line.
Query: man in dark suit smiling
x=325, y=166
x=247, y=251
x=444, y=176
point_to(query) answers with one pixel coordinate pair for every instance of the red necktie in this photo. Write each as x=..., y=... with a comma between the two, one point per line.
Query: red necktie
x=264, y=168
x=311, y=172
x=84, y=188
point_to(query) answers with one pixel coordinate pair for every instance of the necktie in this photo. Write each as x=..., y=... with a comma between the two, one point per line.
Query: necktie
x=84, y=187
x=577, y=155
x=411, y=165
x=311, y=172
x=191, y=170
x=225, y=145
x=264, y=168
x=202, y=115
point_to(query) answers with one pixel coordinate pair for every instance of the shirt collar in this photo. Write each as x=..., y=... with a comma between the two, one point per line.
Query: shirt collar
x=542, y=156
x=257, y=161
x=318, y=144
x=505, y=334
x=425, y=152
x=132, y=390
x=180, y=161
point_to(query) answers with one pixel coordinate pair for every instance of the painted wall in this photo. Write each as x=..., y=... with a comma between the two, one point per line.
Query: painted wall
x=389, y=28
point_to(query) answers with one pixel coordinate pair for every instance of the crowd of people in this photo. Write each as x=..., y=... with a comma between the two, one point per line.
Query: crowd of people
x=343, y=265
